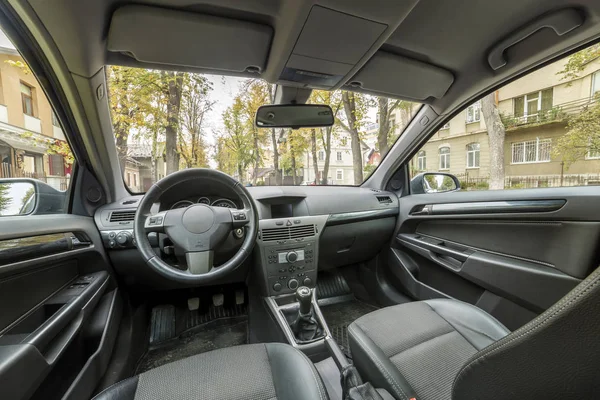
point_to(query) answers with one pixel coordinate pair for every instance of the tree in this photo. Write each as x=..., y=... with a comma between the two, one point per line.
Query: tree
x=582, y=137
x=30, y=192
x=313, y=152
x=496, y=135
x=355, y=107
x=236, y=140
x=297, y=143
x=195, y=105
x=134, y=96
x=334, y=100
x=173, y=85
x=5, y=197
x=256, y=93
x=578, y=61
x=385, y=110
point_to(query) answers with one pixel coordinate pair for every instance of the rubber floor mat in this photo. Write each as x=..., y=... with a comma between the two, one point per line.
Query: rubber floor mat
x=212, y=335
x=339, y=316
x=331, y=285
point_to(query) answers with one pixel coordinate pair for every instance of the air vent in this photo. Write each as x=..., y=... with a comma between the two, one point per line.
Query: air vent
x=375, y=190
x=384, y=199
x=132, y=201
x=294, y=232
x=122, y=216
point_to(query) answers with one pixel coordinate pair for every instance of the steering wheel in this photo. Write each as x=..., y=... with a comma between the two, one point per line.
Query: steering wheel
x=197, y=229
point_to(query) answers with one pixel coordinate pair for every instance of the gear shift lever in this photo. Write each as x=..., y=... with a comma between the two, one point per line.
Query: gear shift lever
x=305, y=327
x=304, y=297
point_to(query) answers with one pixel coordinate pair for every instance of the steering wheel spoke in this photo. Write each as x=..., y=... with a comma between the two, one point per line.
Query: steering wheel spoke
x=156, y=222
x=199, y=262
x=240, y=218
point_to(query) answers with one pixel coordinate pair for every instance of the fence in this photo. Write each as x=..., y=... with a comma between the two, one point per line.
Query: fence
x=57, y=182
x=531, y=181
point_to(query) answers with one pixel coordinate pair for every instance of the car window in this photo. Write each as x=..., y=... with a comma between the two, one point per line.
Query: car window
x=542, y=130
x=167, y=121
x=36, y=161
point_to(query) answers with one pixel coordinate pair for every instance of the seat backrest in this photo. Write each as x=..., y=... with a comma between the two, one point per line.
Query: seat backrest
x=555, y=356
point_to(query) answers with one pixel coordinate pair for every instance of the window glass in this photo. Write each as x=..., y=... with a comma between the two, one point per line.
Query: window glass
x=545, y=131
x=444, y=158
x=34, y=154
x=210, y=123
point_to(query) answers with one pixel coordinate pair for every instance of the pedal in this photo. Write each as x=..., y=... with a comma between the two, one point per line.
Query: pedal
x=218, y=299
x=239, y=297
x=193, y=303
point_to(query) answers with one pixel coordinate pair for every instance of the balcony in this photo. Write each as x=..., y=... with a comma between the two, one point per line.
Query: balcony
x=32, y=124
x=558, y=113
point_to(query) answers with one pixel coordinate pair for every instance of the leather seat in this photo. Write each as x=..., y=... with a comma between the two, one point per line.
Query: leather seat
x=446, y=349
x=257, y=371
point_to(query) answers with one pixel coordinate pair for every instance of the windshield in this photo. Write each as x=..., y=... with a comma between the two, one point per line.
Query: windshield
x=165, y=121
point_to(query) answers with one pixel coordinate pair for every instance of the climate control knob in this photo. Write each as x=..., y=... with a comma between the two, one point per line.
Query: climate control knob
x=292, y=256
x=293, y=284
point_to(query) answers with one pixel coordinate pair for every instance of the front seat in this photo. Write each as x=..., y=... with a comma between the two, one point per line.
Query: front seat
x=447, y=349
x=256, y=371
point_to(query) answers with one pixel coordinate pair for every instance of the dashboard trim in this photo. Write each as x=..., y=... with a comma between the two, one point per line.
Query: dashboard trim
x=357, y=216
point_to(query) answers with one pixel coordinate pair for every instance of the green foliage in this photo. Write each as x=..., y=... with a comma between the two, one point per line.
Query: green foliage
x=368, y=170
x=195, y=104
x=30, y=192
x=20, y=65
x=5, y=198
x=582, y=137
x=578, y=61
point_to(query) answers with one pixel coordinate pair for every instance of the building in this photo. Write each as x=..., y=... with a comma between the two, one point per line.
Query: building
x=32, y=143
x=534, y=110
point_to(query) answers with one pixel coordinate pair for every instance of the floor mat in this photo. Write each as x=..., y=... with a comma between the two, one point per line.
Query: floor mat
x=339, y=316
x=212, y=335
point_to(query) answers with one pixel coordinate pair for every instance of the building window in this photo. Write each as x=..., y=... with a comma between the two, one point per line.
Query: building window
x=339, y=174
x=529, y=106
x=444, y=157
x=446, y=125
x=422, y=160
x=27, y=99
x=134, y=179
x=595, y=82
x=321, y=155
x=339, y=156
x=531, y=151
x=128, y=179
x=392, y=125
x=473, y=155
x=344, y=141
x=474, y=112
x=56, y=164
x=55, y=120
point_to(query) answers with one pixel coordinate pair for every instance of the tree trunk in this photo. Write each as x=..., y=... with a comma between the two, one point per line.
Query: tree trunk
x=256, y=160
x=174, y=86
x=313, y=150
x=240, y=171
x=122, y=135
x=276, y=157
x=496, y=135
x=384, y=126
x=327, y=149
x=294, y=172
x=154, y=156
x=350, y=109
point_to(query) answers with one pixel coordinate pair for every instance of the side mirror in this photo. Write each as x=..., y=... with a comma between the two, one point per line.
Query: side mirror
x=434, y=182
x=29, y=196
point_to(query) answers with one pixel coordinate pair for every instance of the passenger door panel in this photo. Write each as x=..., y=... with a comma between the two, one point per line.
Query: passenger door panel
x=512, y=261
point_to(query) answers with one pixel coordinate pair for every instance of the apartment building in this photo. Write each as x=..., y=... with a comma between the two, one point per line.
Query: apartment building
x=535, y=111
x=30, y=135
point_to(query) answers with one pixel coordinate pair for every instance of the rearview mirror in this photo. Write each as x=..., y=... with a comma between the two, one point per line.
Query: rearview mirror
x=434, y=182
x=294, y=116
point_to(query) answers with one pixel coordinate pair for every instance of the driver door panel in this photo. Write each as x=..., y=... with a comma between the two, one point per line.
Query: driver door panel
x=60, y=307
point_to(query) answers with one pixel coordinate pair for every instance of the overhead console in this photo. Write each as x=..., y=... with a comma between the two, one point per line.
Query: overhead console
x=323, y=53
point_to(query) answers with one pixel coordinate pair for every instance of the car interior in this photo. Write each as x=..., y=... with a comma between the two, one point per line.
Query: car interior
x=201, y=287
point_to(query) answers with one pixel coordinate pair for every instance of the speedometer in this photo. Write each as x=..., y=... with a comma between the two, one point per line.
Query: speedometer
x=203, y=200
x=181, y=204
x=224, y=203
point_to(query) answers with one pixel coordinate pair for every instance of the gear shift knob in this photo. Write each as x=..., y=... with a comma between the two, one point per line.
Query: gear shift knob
x=304, y=297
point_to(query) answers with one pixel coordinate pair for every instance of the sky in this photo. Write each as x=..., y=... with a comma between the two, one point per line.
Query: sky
x=16, y=192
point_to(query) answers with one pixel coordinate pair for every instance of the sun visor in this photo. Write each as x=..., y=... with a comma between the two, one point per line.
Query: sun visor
x=159, y=36
x=396, y=76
